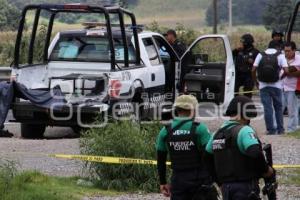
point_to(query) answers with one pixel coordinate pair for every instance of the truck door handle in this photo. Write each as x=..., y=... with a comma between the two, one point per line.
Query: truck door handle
x=152, y=77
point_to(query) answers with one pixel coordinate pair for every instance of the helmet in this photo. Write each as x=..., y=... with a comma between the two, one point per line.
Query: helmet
x=247, y=39
x=186, y=102
x=277, y=32
x=242, y=105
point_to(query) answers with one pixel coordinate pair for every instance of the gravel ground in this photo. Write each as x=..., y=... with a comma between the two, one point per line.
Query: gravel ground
x=30, y=154
x=290, y=193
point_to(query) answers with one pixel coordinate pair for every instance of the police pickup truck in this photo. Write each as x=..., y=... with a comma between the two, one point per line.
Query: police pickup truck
x=110, y=67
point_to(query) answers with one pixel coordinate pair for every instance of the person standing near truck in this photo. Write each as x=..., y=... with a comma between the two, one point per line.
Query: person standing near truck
x=185, y=140
x=277, y=37
x=177, y=45
x=267, y=70
x=290, y=79
x=244, y=57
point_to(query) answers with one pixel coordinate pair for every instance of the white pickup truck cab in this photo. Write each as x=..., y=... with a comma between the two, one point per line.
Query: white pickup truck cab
x=115, y=71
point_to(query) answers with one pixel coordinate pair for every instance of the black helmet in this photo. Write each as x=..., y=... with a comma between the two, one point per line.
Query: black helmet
x=277, y=32
x=242, y=105
x=247, y=39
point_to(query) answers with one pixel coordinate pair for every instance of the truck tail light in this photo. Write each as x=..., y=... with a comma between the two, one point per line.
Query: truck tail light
x=115, y=88
x=185, y=88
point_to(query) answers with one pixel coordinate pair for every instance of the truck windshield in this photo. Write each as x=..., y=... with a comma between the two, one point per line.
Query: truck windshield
x=89, y=49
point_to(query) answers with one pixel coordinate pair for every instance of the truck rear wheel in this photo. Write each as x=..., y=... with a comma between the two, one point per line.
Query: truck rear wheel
x=77, y=130
x=138, y=112
x=32, y=131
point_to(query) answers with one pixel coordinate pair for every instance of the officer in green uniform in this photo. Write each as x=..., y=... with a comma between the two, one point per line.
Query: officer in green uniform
x=185, y=140
x=238, y=160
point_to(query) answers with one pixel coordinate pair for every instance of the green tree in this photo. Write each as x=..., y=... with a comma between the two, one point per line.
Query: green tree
x=277, y=13
x=244, y=12
x=9, y=16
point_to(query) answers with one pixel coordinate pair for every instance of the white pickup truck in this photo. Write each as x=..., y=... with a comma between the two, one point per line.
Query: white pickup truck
x=103, y=69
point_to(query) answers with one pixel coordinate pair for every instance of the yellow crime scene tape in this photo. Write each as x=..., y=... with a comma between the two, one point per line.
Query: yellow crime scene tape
x=106, y=159
x=119, y=160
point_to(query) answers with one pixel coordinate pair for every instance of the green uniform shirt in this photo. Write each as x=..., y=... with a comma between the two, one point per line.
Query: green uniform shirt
x=246, y=138
x=201, y=131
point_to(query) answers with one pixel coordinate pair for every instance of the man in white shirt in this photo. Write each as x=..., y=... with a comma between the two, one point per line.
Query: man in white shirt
x=290, y=83
x=267, y=70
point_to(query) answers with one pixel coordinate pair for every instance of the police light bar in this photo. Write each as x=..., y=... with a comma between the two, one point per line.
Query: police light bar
x=138, y=26
x=99, y=24
x=89, y=25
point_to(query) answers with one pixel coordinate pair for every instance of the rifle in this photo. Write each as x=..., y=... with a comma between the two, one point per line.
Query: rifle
x=270, y=183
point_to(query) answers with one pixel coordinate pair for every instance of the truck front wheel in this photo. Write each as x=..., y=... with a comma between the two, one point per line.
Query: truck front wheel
x=32, y=131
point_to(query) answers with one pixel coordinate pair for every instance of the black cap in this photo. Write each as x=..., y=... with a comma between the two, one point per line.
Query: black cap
x=243, y=106
x=277, y=32
x=170, y=31
x=247, y=39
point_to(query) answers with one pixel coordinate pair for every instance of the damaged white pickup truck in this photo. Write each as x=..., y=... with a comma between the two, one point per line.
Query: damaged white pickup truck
x=108, y=68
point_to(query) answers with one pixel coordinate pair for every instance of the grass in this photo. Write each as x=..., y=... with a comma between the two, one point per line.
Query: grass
x=34, y=185
x=289, y=177
x=295, y=134
x=169, y=12
x=149, y=8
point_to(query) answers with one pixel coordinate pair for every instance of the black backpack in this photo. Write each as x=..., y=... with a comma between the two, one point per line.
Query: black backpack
x=268, y=68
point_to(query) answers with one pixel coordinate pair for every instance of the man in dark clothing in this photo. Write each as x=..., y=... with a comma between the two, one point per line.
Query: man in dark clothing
x=40, y=98
x=6, y=97
x=185, y=140
x=178, y=46
x=244, y=57
x=236, y=153
x=277, y=37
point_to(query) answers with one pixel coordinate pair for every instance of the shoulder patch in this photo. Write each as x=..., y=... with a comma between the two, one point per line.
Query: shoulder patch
x=253, y=136
x=250, y=132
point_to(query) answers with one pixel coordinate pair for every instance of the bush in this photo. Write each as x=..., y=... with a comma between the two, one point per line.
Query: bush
x=7, y=46
x=8, y=171
x=184, y=34
x=122, y=139
x=188, y=36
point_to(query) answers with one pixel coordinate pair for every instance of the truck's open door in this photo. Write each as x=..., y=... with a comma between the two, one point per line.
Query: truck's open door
x=207, y=70
x=293, y=30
